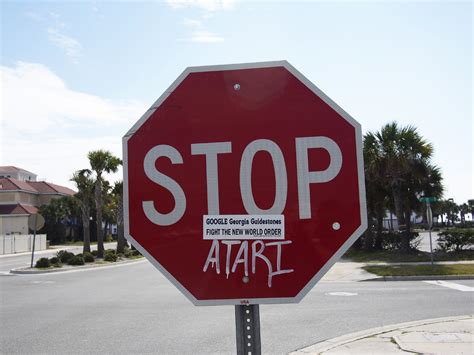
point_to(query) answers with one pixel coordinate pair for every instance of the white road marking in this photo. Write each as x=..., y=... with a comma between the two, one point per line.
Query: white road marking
x=346, y=294
x=452, y=285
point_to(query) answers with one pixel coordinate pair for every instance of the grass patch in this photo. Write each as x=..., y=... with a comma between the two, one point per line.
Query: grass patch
x=421, y=270
x=392, y=256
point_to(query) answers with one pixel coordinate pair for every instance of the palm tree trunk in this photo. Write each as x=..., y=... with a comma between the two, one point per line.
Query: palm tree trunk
x=378, y=235
x=121, y=241
x=406, y=234
x=106, y=229
x=369, y=236
x=98, y=205
x=87, y=232
x=397, y=199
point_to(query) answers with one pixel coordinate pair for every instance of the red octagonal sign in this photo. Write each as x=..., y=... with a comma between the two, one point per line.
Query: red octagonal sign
x=244, y=184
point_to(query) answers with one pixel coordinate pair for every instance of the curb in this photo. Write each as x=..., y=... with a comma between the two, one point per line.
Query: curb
x=29, y=271
x=422, y=278
x=329, y=344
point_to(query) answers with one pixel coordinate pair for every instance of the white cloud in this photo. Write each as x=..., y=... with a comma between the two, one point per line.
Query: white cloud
x=36, y=99
x=209, y=5
x=54, y=15
x=68, y=44
x=192, y=23
x=34, y=16
x=205, y=37
x=48, y=128
x=55, y=159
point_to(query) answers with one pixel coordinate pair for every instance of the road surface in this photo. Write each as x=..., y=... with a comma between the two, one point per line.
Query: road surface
x=133, y=309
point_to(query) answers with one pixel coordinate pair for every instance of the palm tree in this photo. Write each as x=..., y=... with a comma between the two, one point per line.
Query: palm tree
x=107, y=214
x=117, y=209
x=58, y=214
x=85, y=186
x=404, y=161
x=101, y=161
x=376, y=191
x=463, y=210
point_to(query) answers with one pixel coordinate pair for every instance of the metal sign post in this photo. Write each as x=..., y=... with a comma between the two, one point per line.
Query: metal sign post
x=34, y=240
x=429, y=218
x=35, y=222
x=247, y=327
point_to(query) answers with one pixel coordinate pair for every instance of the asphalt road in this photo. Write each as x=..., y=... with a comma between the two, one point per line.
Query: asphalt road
x=133, y=309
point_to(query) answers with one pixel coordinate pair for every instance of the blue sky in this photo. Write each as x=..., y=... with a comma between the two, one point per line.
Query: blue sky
x=75, y=76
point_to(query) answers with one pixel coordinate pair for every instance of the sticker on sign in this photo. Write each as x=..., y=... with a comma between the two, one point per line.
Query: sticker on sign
x=243, y=227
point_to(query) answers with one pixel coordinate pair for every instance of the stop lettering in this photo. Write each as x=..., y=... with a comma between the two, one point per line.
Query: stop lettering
x=211, y=152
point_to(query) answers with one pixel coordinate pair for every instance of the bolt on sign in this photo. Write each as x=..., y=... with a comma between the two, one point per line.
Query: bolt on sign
x=244, y=184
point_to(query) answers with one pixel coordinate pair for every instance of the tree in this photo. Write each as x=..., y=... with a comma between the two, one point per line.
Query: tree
x=57, y=213
x=439, y=209
x=377, y=192
x=471, y=207
x=463, y=210
x=108, y=217
x=101, y=161
x=85, y=187
x=451, y=210
x=403, y=165
x=117, y=210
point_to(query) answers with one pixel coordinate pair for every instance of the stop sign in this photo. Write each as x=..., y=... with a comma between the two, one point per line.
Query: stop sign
x=244, y=184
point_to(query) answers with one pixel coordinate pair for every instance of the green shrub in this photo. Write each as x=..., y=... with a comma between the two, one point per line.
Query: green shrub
x=127, y=252
x=393, y=240
x=88, y=257
x=64, y=256
x=76, y=260
x=135, y=252
x=110, y=255
x=456, y=239
x=94, y=252
x=54, y=260
x=108, y=238
x=42, y=263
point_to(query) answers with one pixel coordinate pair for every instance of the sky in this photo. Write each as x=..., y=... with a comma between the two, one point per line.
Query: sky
x=76, y=75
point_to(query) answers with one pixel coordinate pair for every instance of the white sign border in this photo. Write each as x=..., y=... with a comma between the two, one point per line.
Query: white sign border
x=360, y=170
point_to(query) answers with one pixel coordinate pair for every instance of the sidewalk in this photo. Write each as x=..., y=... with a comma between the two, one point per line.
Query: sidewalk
x=452, y=335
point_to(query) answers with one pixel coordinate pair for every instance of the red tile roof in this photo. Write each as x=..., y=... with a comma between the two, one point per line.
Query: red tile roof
x=19, y=208
x=47, y=187
x=42, y=187
x=14, y=184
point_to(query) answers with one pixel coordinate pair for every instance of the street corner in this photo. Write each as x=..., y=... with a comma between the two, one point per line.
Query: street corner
x=68, y=268
x=450, y=335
